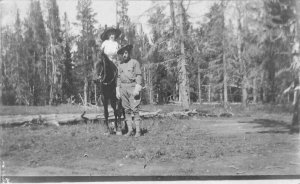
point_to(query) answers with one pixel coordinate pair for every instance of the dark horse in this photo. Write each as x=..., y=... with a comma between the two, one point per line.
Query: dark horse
x=106, y=77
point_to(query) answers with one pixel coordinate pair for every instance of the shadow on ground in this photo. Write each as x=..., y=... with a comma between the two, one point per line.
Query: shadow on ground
x=271, y=126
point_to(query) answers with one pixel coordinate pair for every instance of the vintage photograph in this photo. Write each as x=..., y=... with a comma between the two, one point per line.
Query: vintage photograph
x=193, y=89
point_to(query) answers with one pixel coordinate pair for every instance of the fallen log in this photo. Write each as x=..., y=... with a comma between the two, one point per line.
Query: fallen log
x=147, y=115
x=65, y=119
x=226, y=114
x=61, y=119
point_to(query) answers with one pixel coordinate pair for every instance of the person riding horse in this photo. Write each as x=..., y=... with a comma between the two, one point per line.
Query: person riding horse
x=110, y=46
x=106, y=75
x=129, y=87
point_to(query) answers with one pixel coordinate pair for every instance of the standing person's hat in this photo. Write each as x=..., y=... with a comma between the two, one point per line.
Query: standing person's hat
x=106, y=33
x=126, y=47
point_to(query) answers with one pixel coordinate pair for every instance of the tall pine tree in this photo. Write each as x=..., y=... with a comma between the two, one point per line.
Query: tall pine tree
x=21, y=87
x=54, y=51
x=68, y=88
x=36, y=43
x=85, y=44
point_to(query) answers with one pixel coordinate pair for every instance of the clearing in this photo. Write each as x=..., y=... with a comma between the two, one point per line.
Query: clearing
x=246, y=144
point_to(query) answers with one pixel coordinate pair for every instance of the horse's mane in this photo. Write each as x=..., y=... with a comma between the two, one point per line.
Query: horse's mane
x=106, y=68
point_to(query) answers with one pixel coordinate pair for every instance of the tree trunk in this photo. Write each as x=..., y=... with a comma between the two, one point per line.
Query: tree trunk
x=145, y=74
x=209, y=93
x=241, y=61
x=199, y=84
x=117, y=21
x=244, y=93
x=89, y=100
x=271, y=82
x=150, y=85
x=53, y=73
x=224, y=59
x=262, y=87
x=255, y=93
x=295, y=98
x=264, y=94
x=296, y=58
x=225, y=80
x=296, y=103
x=177, y=95
x=47, y=79
x=296, y=114
x=184, y=81
x=172, y=16
x=85, y=91
x=1, y=103
x=52, y=79
x=1, y=61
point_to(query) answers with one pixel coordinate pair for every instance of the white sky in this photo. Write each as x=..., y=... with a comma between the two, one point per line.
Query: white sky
x=105, y=10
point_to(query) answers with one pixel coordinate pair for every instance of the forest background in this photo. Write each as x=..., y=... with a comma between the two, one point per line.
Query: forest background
x=237, y=51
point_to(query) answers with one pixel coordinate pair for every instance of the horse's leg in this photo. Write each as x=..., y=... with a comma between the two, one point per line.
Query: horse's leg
x=113, y=103
x=105, y=105
x=122, y=112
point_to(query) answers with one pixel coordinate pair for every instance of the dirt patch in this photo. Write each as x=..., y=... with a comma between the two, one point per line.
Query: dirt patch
x=205, y=146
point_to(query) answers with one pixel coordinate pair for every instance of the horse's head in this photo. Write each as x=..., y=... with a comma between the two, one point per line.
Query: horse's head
x=105, y=70
x=99, y=69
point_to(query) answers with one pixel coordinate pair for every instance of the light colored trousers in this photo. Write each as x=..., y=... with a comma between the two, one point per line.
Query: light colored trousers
x=130, y=103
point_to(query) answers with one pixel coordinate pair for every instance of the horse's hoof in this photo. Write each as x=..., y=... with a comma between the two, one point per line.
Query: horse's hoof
x=106, y=133
x=119, y=133
x=138, y=134
x=128, y=133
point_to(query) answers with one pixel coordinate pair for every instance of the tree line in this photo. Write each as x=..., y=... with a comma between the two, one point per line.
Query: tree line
x=245, y=51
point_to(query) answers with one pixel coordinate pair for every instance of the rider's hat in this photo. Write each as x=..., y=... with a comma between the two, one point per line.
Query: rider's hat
x=105, y=35
x=126, y=47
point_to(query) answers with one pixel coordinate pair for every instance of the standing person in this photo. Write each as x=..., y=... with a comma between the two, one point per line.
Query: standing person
x=129, y=87
x=110, y=46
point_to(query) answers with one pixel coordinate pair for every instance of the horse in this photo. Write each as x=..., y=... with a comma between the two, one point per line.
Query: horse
x=106, y=77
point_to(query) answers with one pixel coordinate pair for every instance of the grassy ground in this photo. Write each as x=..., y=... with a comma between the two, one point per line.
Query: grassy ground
x=255, y=141
x=206, y=146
